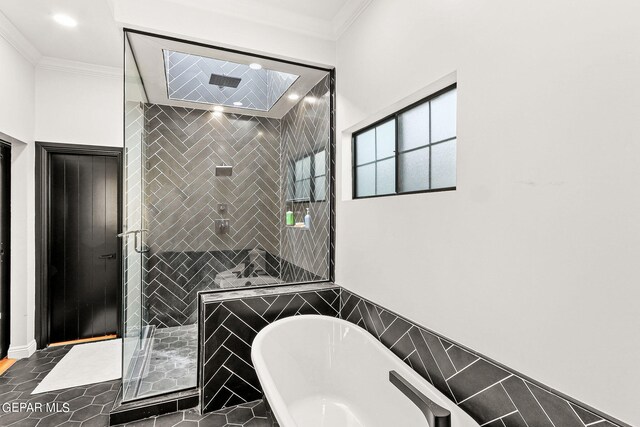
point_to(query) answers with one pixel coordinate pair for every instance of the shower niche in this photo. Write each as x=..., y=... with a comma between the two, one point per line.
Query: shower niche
x=213, y=145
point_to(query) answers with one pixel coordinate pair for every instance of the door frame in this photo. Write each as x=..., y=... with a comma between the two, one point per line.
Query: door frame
x=5, y=322
x=44, y=150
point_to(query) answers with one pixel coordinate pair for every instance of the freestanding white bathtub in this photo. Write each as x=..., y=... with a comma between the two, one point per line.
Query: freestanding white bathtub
x=322, y=371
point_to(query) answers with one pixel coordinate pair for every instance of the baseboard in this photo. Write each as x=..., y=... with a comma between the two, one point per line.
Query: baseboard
x=22, y=351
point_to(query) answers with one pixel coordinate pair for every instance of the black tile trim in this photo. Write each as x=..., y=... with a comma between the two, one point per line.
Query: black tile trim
x=351, y=307
x=158, y=405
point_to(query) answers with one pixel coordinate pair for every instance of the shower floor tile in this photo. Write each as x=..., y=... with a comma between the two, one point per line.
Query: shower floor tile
x=172, y=364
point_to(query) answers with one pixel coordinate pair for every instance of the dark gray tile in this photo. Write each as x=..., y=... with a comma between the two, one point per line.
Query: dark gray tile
x=439, y=354
x=395, y=330
x=514, y=420
x=489, y=405
x=460, y=358
x=585, y=416
x=476, y=377
x=558, y=409
x=526, y=403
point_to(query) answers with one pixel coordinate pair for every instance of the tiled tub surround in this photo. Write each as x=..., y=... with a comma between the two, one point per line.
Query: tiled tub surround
x=492, y=394
x=230, y=321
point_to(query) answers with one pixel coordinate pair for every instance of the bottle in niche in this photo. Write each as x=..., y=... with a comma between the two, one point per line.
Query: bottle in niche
x=307, y=220
x=290, y=218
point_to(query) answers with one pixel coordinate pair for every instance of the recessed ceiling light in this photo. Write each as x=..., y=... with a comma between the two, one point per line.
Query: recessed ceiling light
x=217, y=113
x=65, y=20
x=255, y=66
x=218, y=109
x=294, y=97
x=310, y=99
x=238, y=104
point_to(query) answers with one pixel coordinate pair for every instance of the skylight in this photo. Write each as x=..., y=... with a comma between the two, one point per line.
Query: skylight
x=194, y=78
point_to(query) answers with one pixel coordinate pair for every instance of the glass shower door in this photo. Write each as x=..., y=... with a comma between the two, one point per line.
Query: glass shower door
x=135, y=339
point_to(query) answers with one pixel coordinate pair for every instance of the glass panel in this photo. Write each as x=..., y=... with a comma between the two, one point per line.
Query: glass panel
x=291, y=182
x=306, y=168
x=386, y=140
x=298, y=170
x=413, y=170
x=320, y=163
x=443, y=165
x=303, y=189
x=320, y=189
x=135, y=333
x=443, y=116
x=180, y=248
x=366, y=147
x=413, y=127
x=386, y=176
x=366, y=180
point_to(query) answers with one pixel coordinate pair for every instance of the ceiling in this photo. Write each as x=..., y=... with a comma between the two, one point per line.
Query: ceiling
x=195, y=66
x=98, y=39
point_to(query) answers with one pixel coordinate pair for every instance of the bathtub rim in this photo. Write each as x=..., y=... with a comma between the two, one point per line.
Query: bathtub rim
x=276, y=401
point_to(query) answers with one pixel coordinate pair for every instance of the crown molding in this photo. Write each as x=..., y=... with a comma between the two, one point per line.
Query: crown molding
x=81, y=68
x=14, y=37
x=347, y=15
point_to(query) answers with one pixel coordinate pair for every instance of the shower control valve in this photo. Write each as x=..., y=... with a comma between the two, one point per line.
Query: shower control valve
x=221, y=226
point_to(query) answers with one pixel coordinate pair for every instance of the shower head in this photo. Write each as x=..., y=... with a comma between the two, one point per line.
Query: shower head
x=224, y=81
x=224, y=170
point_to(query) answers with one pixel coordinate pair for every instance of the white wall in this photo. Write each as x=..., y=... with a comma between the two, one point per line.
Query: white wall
x=78, y=103
x=16, y=120
x=533, y=261
x=58, y=101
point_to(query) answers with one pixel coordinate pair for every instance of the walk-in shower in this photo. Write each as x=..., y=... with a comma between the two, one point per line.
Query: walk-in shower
x=225, y=154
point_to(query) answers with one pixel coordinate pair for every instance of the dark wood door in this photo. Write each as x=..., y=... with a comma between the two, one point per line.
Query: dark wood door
x=5, y=228
x=83, y=246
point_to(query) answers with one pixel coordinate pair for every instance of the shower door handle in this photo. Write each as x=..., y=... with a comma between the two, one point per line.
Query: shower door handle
x=436, y=415
x=135, y=239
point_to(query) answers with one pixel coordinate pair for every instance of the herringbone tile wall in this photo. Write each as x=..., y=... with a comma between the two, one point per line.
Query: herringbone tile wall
x=228, y=329
x=306, y=131
x=183, y=146
x=182, y=193
x=493, y=395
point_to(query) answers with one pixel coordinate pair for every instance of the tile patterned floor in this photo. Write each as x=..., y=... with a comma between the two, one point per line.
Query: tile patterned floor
x=250, y=414
x=89, y=405
x=173, y=361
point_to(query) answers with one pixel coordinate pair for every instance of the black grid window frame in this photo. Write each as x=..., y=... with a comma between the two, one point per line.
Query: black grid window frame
x=395, y=117
x=312, y=177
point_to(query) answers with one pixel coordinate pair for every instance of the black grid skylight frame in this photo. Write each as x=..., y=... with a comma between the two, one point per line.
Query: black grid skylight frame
x=395, y=117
